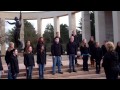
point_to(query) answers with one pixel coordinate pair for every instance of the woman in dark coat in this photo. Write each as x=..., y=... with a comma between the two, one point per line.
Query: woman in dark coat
x=41, y=57
x=111, y=62
x=29, y=62
x=14, y=64
x=85, y=53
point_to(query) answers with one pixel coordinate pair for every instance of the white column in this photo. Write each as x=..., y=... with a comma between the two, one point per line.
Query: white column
x=116, y=26
x=72, y=23
x=39, y=25
x=56, y=26
x=86, y=30
x=100, y=32
x=3, y=34
x=22, y=33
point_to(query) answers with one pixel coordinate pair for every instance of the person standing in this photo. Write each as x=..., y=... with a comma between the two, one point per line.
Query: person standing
x=14, y=63
x=104, y=50
x=29, y=62
x=111, y=62
x=56, y=51
x=85, y=53
x=60, y=41
x=72, y=52
x=41, y=57
x=91, y=44
x=76, y=40
x=7, y=58
x=98, y=57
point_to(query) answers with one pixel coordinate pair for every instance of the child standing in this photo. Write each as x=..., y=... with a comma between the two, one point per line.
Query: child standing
x=14, y=63
x=41, y=57
x=29, y=62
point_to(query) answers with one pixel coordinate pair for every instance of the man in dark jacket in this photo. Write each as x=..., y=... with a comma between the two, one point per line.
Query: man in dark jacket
x=91, y=44
x=60, y=41
x=76, y=40
x=72, y=52
x=56, y=51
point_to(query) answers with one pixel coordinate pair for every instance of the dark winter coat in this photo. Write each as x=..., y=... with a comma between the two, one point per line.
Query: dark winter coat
x=118, y=51
x=76, y=40
x=56, y=49
x=29, y=60
x=71, y=48
x=14, y=64
x=98, y=53
x=7, y=56
x=92, y=48
x=84, y=50
x=110, y=60
x=104, y=50
x=41, y=56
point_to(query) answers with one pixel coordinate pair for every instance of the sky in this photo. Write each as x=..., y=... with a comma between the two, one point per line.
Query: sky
x=62, y=20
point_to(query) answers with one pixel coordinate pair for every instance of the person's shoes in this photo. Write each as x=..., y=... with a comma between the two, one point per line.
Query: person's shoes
x=53, y=73
x=97, y=72
x=77, y=64
x=70, y=71
x=86, y=69
x=74, y=71
x=60, y=72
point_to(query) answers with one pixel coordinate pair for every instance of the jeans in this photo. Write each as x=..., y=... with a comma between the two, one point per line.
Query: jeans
x=14, y=76
x=60, y=61
x=85, y=62
x=72, y=61
x=56, y=59
x=41, y=71
x=0, y=74
x=29, y=70
x=98, y=66
x=9, y=72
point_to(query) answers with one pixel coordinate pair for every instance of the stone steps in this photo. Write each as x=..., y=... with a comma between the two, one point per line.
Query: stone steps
x=66, y=75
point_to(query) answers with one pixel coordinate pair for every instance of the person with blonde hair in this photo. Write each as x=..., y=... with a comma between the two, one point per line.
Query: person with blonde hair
x=85, y=54
x=7, y=58
x=111, y=62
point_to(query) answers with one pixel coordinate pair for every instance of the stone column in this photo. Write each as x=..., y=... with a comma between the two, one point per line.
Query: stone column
x=116, y=26
x=86, y=29
x=39, y=25
x=22, y=33
x=3, y=48
x=56, y=26
x=72, y=23
x=100, y=32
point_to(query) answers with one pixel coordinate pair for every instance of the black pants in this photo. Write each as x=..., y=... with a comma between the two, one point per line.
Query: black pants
x=110, y=74
x=76, y=60
x=85, y=62
x=97, y=65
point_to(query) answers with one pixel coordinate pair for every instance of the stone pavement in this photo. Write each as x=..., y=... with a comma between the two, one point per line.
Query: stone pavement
x=49, y=63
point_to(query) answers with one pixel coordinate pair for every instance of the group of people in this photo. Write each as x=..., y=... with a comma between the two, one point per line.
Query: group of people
x=106, y=54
